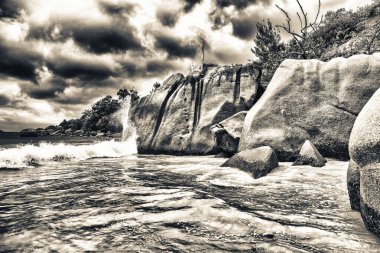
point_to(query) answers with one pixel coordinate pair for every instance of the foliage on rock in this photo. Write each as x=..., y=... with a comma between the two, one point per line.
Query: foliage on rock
x=340, y=33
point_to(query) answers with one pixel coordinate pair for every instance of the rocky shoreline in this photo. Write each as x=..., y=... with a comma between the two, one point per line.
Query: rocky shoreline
x=305, y=115
x=56, y=131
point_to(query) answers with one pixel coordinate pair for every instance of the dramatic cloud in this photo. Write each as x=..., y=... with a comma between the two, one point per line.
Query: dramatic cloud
x=223, y=15
x=116, y=8
x=244, y=27
x=168, y=17
x=82, y=68
x=110, y=37
x=190, y=4
x=149, y=68
x=4, y=100
x=11, y=9
x=19, y=60
x=106, y=38
x=175, y=47
x=239, y=4
x=46, y=90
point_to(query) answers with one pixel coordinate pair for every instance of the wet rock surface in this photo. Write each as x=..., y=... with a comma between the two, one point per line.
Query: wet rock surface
x=312, y=100
x=228, y=132
x=259, y=161
x=176, y=118
x=365, y=156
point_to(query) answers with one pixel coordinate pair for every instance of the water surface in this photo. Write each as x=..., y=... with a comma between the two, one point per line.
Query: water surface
x=177, y=204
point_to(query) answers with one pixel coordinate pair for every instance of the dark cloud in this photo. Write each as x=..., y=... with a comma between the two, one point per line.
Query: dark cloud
x=116, y=9
x=112, y=37
x=4, y=100
x=219, y=17
x=168, y=18
x=239, y=4
x=81, y=96
x=154, y=67
x=19, y=60
x=106, y=38
x=190, y=4
x=11, y=9
x=47, y=90
x=52, y=32
x=149, y=68
x=81, y=68
x=175, y=47
x=44, y=93
x=244, y=27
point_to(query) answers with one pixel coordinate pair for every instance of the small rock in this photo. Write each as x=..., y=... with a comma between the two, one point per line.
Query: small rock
x=309, y=155
x=259, y=161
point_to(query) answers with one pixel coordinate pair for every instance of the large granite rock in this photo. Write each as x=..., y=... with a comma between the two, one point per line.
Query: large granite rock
x=365, y=154
x=309, y=155
x=353, y=185
x=312, y=100
x=259, y=161
x=176, y=118
x=227, y=133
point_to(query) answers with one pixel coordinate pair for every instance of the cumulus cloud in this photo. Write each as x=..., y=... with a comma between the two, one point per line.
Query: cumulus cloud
x=96, y=37
x=168, y=17
x=175, y=46
x=11, y=9
x=190, y=4
x=83, y=68
x=120, y=8
x=232, y=11
x=4, y=100
x=244, y=26
x=19, y=60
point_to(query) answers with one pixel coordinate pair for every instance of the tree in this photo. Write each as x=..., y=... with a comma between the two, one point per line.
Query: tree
x=156, y=85
x=268, y=49
x=134, y=95
x=122, y=94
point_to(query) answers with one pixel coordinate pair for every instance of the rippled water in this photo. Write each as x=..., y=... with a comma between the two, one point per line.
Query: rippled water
x=177, y=204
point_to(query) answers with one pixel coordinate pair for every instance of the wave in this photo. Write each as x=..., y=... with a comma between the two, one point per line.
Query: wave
x=34, y=155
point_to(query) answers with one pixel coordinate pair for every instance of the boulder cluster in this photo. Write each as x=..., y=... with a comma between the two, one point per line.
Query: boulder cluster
x=306, y=113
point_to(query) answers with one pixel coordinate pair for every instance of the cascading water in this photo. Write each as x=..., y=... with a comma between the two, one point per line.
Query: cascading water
x=45, y=152
x=129, y=131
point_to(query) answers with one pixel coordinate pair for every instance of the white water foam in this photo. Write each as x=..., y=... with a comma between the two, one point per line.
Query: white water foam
x=44, y=152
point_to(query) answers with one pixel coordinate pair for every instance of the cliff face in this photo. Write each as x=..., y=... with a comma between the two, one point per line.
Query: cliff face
x=312, y=100
x=176, y=118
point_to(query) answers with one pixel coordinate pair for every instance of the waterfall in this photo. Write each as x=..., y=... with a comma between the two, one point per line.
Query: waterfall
x=129, y=131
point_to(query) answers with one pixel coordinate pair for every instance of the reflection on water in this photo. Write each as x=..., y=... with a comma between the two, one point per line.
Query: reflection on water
x=178, y=204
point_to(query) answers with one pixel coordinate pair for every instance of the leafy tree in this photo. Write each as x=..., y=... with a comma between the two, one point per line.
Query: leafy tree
x=268, y=49
x=156, y=85
x=101, y=109
x=134, y=95
x=123, y=93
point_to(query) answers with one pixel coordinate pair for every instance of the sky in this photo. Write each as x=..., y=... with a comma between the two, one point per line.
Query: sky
x=57, y=57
